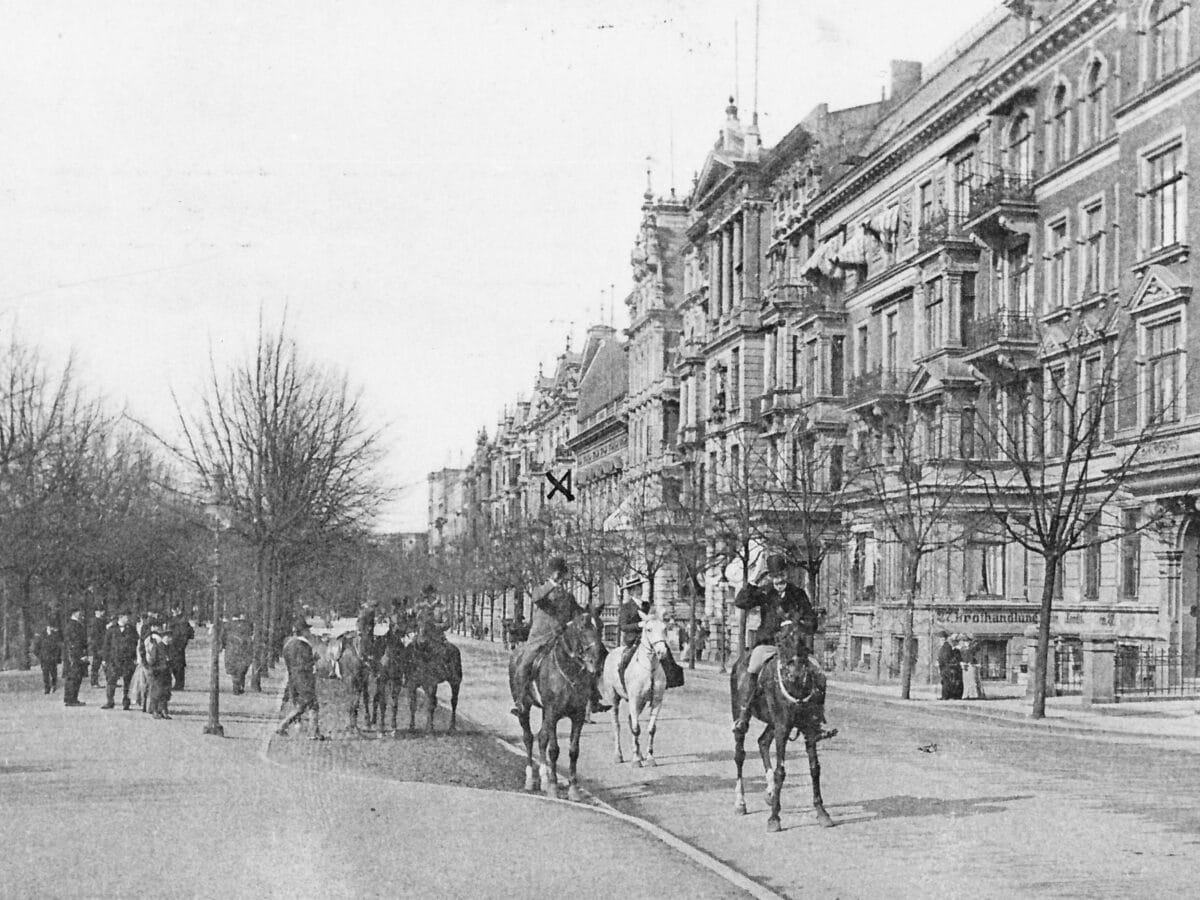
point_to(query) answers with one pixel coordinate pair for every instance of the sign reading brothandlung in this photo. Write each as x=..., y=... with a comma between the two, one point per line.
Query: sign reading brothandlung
x=951, y=615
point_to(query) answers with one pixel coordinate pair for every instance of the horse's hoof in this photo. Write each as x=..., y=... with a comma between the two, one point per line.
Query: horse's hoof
x=823, y=819
x=739, y=808
x=574, y=794
x=618, y=759
x=650, y=762
x=773, y=825
x=640, y=762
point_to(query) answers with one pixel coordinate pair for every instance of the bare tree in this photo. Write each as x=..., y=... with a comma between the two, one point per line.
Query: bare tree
x=1052, y=462
x=286, y=445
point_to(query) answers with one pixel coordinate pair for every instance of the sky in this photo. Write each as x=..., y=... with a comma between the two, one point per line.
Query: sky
x=434, y=195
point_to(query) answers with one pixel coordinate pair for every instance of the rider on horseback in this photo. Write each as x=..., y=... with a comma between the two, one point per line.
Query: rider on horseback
x=634, y=612
x=779, y=602
x=553, y=609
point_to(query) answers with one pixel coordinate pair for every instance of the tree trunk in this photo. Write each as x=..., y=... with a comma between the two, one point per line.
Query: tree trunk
x=4, y=640
x=910, y=606
x=1042, y=654
x=262, y=574
x=739, y=616
x=692, y=626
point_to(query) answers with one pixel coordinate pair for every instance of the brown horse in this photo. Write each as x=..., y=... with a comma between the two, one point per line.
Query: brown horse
x=791, y=697
x=345, y=657
x=563, y=682
x=389, y=684
x=429, y=660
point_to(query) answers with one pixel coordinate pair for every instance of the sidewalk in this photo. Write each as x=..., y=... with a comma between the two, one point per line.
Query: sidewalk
x=1170, y=719
x=111, y=803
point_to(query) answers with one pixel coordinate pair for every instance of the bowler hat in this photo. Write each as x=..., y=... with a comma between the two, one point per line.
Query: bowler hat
x=558, y=564
x=776, y=565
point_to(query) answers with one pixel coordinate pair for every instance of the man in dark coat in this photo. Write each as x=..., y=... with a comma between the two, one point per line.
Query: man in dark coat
x=366, y=630
x=950, y=668
x=629, y=627
x=95, y=636
x=301, y=660
x=181, y=634
x=553, y=609
x=779, y=601
x=48, y=648
x=75, y=657
x=120, y=659
x=238, y=637
x=158, y=658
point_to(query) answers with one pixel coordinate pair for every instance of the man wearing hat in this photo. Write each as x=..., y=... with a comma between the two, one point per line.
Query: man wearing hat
x=633, y=613
x=553, y=609
x=366, y=630
x=75, y=659
x=48, y=649
x=301, y=660
x=158, y=658
x=778, y=602
x=238, y=637
x=97, y=625
x=950, y=668
x=120, y=658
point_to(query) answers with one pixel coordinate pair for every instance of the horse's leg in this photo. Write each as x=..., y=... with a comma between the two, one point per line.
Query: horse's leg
x=454, y=686
x=616, y=717
x=412, y=705
x=573, y=792
x=549, y=726
x=764, y=748
x=814, y=770
x=431, y=699
x=527, y=737
x=656, y=702
x=739, y=757
x=781, y=736
x=634, y=705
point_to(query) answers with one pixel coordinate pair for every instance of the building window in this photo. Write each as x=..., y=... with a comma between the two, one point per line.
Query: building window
x=1018, y=273
x=966, y=307
x=1091, y=561
x=835, y=467
x=1060, y=254
x=966, y=433
x=837, y=365
x=1056, y=409
x=1163, y=372
x=925, y=203
x=1092, y=228
x=735, y=466
x=795, y=362
x=985, y=568
x=935, y=295
x=1060, y=126
x=861, y=356
x=891, y=344
x=1018, y=156
x=1163, y=199
x=814, y=369
x=735, y=380
x=1093, y=415
x=1168, y=37
x=964, y=179
x=1096, y=102
x=794, y=469
x=1131, y=553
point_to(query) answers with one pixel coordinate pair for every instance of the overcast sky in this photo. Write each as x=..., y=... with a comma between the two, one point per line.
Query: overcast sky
x=437, y=193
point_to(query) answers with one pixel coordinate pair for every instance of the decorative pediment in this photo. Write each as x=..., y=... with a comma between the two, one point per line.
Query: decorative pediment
x=1159, y=286
x=716, y=168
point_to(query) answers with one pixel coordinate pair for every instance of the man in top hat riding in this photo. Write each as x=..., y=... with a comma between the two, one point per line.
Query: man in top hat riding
x=778, y=602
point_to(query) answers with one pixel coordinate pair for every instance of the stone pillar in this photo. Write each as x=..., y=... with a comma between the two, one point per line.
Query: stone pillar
x=726, y=271
x=1099, y=662
x=1170, y=568
x=1029, y=659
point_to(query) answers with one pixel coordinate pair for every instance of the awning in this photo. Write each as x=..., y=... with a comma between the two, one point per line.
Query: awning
x=820, y=261
x=853, y=252
x=621, y=518
x=886, y=224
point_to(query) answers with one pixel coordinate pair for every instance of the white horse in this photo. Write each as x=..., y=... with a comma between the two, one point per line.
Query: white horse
x=646, y=683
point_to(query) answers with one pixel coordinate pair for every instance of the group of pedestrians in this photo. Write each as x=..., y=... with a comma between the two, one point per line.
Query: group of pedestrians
x=148, y=658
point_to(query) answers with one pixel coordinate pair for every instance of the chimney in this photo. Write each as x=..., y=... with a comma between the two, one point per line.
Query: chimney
x=905, y=77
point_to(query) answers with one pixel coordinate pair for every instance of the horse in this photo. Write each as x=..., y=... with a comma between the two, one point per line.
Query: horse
x=344, y=655
x=562, y=685
x=428, y=662
x=791, y=697
x=389, y=682
x=645, y=683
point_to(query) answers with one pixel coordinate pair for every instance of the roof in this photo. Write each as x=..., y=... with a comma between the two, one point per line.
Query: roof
x=606, y=379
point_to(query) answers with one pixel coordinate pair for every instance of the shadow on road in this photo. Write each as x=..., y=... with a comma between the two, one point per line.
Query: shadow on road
x=907, y=807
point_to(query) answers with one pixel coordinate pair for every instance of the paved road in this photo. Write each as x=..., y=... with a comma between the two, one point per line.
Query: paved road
x=999, y=810
x=100, y=803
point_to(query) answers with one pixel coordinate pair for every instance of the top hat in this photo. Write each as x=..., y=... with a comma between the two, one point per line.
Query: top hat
x=776, y=565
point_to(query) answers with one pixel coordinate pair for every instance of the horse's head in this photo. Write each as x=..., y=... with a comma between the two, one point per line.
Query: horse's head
x=654, y=634
x=799, y=674
x=583, y=642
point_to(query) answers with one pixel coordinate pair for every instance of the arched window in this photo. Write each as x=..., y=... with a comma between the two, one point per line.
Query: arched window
x=1060, y=126
x=1018, y=156
x=1168, y=37
x=1096, y=102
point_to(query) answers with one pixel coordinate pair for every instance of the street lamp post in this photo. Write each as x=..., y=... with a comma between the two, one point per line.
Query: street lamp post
x=723, y=587
x=218, y=516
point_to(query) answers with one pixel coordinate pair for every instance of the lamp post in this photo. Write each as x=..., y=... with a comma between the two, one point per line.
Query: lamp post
x=723, y=587
x=218, y=516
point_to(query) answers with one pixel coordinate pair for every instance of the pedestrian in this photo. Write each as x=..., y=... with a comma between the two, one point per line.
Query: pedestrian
x=158, y=658
x=238, y=638
x=301, y=660
x=75, y=658
x=97, y=625
x=950, y=668
x=182, y=633
x=701, y=638
x=47, y=647
x=120, y=658
x=972, y=655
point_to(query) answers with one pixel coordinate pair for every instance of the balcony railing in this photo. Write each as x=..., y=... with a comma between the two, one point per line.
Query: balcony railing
x=998, y=328
x=998, y=188
x=877, y=384
x=939, y=230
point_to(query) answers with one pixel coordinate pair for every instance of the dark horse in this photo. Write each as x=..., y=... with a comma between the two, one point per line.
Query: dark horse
x=563, y=681
x=429, y=660
x=389, y=683
x=791, y=697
